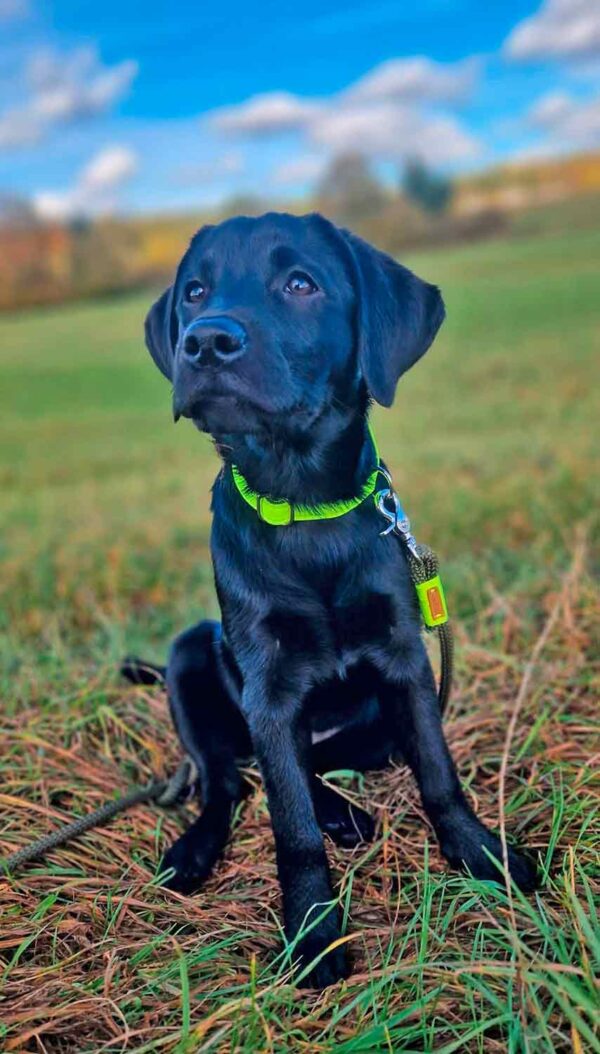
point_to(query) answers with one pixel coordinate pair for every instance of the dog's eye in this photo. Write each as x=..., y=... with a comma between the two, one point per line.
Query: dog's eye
x=299, y=284
x=194, y=291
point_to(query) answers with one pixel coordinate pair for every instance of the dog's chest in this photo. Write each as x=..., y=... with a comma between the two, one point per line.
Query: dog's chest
x=359, y=610
x=335, y=632
x=366, y=619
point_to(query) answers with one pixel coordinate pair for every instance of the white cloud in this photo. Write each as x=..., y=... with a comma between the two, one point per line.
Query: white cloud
x=391, y=132
x=413, y=81
x=304, y=168
x=64, y=89
x=16, y=129
x=561, y=29
x=550, y=110
x=567, y=123
x=12, y=10
x=109, y=168
x=388, y=115
x=264, y=115
x=417, y=79
x=96, y=189
x=212, y=169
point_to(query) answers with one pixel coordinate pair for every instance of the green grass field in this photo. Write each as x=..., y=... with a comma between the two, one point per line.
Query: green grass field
x=493, y=444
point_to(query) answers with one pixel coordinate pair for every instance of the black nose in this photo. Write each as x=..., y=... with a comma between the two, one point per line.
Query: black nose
x=212, y=341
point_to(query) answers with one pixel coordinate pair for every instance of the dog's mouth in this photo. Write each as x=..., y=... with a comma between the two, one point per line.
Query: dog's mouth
x=227, y=414
x=221, y=408
x=222, y=413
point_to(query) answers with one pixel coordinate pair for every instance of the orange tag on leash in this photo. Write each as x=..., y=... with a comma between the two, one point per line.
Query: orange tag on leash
x=432, y=601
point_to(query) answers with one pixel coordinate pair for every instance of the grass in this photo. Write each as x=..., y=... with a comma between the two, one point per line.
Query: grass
x=105, y=549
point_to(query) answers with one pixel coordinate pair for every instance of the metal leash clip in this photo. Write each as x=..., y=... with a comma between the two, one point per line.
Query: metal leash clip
x=397, y=519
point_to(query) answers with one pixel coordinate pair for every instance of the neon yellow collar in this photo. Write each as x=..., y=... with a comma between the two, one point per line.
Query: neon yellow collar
x=278, y=512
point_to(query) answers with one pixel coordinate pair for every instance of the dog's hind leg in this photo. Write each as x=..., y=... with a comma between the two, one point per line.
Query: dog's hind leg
x=363, y=745
x=346, y=824
x=213, y=733
x=360, y=745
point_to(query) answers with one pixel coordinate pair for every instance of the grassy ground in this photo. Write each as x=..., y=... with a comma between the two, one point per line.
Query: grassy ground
x=105, y=549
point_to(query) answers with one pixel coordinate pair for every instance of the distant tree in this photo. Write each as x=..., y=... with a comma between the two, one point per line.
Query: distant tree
x=242, y=205
x=429, y=190
x=16, y=212
x=105, y=255
x=349, y=190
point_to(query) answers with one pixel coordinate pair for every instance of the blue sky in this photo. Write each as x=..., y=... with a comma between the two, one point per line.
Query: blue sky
x=122, y=106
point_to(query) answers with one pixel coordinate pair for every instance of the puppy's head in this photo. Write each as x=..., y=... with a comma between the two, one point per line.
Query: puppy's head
x=280, y=317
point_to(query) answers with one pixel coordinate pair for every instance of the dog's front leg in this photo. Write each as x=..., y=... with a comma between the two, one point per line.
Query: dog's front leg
x=464, y=840
x=281, y=741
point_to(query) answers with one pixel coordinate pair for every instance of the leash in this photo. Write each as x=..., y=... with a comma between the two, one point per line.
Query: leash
x=424, y=573
x=164, y=793
x=423, y=566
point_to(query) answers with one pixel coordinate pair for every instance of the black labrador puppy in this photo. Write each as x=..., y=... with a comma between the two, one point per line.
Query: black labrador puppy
x=277, y=334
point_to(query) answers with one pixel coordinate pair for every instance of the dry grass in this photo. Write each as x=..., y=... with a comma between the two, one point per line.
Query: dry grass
x=493, y=444
x=99, y=957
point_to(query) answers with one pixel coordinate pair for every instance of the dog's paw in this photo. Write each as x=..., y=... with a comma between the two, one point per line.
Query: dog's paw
x=192, y=858
x=347, y=825
x=333, y=967
x=472, y=848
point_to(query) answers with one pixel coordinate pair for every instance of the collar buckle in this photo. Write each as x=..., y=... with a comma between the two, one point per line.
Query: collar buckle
x=277, y=512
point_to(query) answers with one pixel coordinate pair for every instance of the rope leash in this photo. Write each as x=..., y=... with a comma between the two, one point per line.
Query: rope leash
x=164, y=793
x=423, y=566
x=423, y=570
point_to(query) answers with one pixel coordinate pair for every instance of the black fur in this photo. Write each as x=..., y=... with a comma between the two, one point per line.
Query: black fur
x=319, y=625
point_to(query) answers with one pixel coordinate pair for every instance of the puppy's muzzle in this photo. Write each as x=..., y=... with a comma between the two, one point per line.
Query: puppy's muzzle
x=216, y=341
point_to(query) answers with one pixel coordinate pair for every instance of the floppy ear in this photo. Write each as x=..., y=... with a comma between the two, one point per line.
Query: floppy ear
x=398, y=317
x=161, y=326
x=161, y=334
